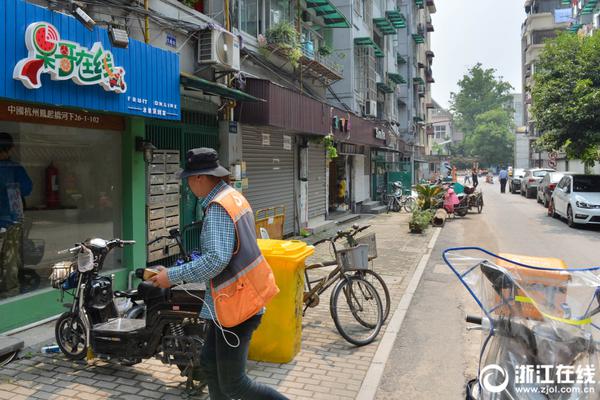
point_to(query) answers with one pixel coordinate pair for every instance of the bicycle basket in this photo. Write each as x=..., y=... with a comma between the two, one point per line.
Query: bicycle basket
x=60, y=272
x=370, y=241
x=353, y=258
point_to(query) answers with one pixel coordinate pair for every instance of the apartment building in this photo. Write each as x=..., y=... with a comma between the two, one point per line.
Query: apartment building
x=388, y=77
x=544, y=19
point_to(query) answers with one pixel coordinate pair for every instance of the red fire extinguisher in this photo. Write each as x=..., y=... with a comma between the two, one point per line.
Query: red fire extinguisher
x=52, y=197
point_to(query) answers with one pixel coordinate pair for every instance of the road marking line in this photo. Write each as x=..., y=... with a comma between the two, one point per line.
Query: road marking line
x=368, y=389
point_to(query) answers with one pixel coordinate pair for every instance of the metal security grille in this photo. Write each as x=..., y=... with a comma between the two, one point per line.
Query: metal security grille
x=196, y=130
x=365, y=77
x=316, y=180
x=270, y=171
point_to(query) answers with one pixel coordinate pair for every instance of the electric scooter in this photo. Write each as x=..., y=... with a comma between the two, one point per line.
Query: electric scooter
x=170, y=328
x=540, y=324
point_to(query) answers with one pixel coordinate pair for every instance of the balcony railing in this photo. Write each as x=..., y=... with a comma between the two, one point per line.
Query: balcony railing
x=320, y=66
x=431, y=6
x=419, y=36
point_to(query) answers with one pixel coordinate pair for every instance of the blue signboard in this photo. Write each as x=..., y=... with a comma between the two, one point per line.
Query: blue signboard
x=52, y=58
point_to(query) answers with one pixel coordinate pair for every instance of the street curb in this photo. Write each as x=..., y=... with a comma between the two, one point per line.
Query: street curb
x=370, y=384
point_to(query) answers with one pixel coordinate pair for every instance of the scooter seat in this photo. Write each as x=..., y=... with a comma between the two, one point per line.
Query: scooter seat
x=150, y=293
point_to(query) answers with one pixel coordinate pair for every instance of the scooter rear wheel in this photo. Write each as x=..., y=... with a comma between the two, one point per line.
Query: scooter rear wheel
x=71, y=336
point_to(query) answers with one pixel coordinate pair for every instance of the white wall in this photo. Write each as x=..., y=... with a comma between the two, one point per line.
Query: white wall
x=361, y=181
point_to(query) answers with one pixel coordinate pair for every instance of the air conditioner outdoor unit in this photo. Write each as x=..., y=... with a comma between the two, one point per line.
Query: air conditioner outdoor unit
x=221, y=48
x=371, y=108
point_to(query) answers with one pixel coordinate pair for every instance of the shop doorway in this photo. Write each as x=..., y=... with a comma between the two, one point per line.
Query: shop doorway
x=339, y=184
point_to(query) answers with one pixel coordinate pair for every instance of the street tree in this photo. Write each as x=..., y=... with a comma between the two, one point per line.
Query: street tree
x=492, y=139
x=566, y=96
x=479, y=91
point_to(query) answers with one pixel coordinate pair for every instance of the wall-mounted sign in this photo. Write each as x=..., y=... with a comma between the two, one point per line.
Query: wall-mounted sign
x=65, y=60
x=36, y=114
x=287, y=142
x=69, y=65
x=171, y=40
x=266, y=139
x=379, y=134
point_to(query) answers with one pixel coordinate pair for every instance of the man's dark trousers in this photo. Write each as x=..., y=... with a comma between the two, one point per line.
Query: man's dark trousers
x=502, y=185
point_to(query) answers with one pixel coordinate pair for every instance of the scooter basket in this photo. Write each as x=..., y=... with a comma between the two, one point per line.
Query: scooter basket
x=353, y=258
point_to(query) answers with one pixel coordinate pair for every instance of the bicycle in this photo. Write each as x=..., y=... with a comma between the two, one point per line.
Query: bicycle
x=397, y=200
x=356, y=282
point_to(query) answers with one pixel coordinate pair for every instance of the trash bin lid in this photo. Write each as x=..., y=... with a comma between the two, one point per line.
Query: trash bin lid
x=289, y=249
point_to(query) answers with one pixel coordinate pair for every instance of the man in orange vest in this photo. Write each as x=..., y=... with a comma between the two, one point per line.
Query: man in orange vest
x=239, y=281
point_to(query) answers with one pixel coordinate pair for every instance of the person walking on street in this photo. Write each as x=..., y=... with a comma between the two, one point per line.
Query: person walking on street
x=503, y=176
x=475, y=178
x=15, y=184
x=467, y=178
x=238, y=279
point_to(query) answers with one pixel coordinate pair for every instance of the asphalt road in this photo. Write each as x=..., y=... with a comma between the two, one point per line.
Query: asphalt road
x=434, y=355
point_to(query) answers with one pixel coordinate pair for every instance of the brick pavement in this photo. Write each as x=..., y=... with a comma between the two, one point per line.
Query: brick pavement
x=327, y=367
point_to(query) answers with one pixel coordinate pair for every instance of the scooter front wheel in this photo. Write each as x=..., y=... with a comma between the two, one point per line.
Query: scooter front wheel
x=71, y=336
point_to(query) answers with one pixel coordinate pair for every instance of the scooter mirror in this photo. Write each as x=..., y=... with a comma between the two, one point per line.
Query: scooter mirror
x=139, y=273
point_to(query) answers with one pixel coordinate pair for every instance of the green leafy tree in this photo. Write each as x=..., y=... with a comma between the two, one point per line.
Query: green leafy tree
x=492, y=140
x=480, y=91
x=566, y=96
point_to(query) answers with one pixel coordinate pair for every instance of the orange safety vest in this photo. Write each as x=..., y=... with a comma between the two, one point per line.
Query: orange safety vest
x=247, y=284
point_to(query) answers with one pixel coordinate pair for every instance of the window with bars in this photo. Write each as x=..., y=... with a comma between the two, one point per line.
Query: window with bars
x=365, y=82
x=368, y=13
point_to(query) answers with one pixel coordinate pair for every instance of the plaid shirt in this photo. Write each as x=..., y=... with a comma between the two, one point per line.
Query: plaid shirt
x=217, y=242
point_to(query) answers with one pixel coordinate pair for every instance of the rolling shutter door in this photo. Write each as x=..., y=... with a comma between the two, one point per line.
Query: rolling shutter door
x=270, y=172
x=316, y=180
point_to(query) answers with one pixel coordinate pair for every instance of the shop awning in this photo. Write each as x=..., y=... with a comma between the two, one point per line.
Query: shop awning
x=396, y=18
x=384, y=87
x=217, y=89
x=400, y=59
x=385, y=26
x=396, y=78
x=418, y=81
x=332, y=17
x=368, y=41
x=589, y=7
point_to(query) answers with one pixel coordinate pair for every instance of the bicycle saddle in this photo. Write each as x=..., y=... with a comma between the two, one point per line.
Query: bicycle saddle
x=150, y=293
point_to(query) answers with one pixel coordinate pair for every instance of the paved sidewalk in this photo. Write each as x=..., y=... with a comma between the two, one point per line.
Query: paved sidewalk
x=327, y=367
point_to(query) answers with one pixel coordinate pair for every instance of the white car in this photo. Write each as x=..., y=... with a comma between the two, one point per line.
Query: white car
x=577, y=198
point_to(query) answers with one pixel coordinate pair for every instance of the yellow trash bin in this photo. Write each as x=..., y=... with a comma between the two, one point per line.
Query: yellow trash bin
x=279, y=335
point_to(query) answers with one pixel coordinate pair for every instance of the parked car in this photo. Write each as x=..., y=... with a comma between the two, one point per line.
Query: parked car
x=577, y=198
x=546, y=187
x=531, y=180
x=514, y=181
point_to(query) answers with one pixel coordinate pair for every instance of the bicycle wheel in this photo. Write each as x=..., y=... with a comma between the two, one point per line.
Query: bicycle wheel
x=410, y=204
x=380, y=286
x=356, y=310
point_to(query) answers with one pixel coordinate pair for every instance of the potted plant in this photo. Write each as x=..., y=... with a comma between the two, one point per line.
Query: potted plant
x=429, y=196
x=325, y=50
x=284, y=37
x=419, y=220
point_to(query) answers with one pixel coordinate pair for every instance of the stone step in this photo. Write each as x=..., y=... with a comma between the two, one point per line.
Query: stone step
x=377, y=210
x=367, y=206
x=347, y=218
x=9, y=345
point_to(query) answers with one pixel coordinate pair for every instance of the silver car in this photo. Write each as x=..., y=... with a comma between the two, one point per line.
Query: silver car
x=531, y=180
x=546, y=187
x=514, y=180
